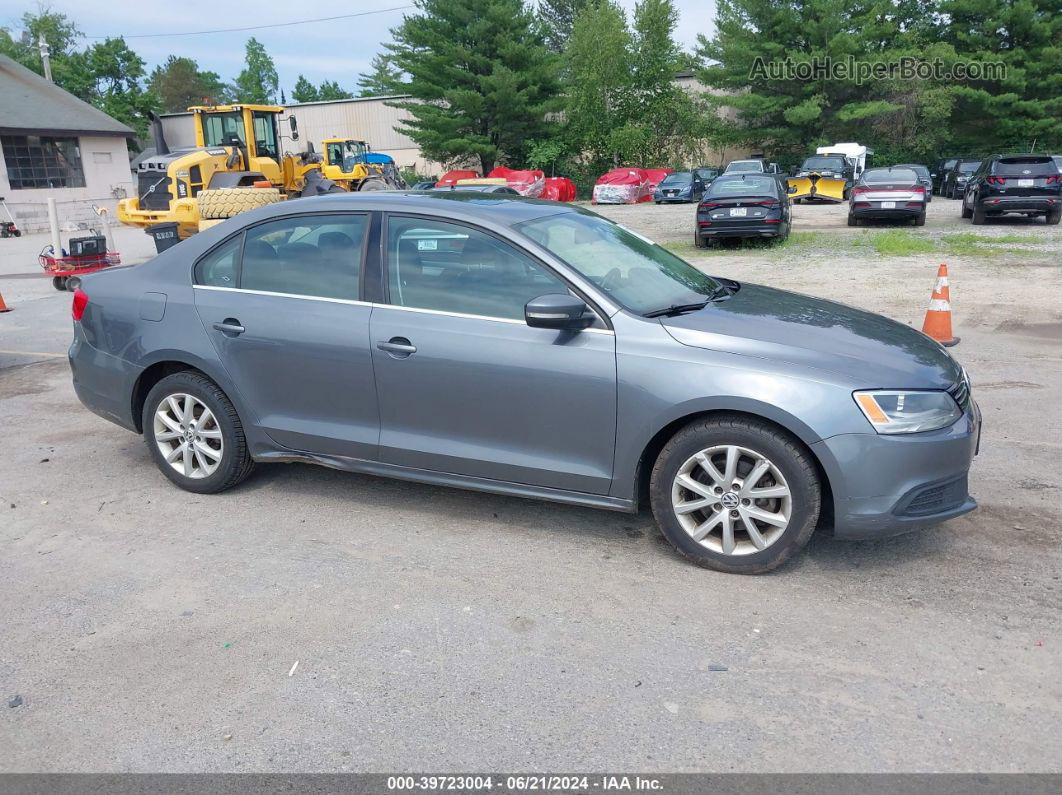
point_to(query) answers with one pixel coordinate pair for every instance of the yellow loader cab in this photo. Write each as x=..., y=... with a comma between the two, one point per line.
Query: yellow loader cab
x=236, y=146
x=353, y=165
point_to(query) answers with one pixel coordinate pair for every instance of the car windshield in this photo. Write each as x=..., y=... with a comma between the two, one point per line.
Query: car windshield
x=677, y=179
x=894, y=175
x=969, y=166
x=744, y=186
x=632, y=270
x=921, y=171
x=836, y=163
x=745, y=165
x=707, y=173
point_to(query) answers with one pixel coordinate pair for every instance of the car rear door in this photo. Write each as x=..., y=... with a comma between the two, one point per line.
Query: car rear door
x=281, y=305
x=465, y=386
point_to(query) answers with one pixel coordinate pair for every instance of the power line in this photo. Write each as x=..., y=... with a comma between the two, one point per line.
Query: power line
x=254, y=27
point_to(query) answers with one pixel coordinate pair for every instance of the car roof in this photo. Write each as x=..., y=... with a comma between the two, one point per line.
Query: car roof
x=469, y=205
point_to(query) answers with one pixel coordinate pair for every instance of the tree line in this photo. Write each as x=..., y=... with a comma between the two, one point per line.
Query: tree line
x=578, y=86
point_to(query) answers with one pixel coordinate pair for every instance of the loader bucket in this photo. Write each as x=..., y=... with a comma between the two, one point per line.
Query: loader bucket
x=799, y=187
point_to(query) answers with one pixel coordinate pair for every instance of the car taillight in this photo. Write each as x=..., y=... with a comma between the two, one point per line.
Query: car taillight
x=1054, y=179
x=860, y=190
x=81, y=300
x=769, y=204
x=919, y=188
x=996, y=180
x=708, y=205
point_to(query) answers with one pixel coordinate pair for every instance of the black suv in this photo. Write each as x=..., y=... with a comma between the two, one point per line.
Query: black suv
x=955, y=180
x=1027, y=184
x=940, y=170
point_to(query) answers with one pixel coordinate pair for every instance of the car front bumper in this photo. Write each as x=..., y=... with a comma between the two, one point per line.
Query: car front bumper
x=676, y=199
x=886, y=485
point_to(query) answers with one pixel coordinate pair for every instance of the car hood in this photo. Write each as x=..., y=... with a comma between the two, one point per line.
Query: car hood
x=872, y=350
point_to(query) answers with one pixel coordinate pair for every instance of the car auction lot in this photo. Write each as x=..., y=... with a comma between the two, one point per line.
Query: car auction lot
x=149, y=629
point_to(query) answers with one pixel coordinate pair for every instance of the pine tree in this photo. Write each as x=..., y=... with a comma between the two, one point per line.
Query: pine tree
x=558, y=17
x=330, y=90
x=482, y=77
x=258, y=82
x=179, y=84
x=304, y=91
x=383, y=79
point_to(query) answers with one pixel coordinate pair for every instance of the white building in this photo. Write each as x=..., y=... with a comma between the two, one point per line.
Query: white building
x=55, y=145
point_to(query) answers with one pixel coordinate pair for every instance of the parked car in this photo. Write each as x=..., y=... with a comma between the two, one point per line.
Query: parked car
x=707, y=174
x=474, y=344
x=752, y=166
x=426, y=184
x=679, y=186
x=1026, y=184
x=940, y=171
x=924, y=176
x=1058, y=162
x=955, y=180
x=480, y=186
x=746, y=205
x=893, y=194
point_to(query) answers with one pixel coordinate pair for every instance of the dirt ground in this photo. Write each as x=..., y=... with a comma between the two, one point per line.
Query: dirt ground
x=146, y=629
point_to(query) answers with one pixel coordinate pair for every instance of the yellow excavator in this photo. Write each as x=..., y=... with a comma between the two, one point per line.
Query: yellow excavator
x=353, y=165
x=235, y=165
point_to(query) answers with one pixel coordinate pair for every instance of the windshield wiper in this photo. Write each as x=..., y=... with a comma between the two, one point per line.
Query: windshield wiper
x=678, y=309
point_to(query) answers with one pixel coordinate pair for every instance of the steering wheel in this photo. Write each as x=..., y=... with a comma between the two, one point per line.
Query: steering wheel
x=611, y=280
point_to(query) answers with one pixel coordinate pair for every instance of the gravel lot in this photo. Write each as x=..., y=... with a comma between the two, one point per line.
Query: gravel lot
x=146, y=629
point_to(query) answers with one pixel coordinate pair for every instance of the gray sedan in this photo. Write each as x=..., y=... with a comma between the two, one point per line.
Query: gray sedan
x=526, y=348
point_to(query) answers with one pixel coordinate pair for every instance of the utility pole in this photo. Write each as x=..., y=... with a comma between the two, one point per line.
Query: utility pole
x=42, y=44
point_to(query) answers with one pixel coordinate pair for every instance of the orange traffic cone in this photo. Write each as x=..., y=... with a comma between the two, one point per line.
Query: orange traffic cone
x=3, y=307
x=938, y=316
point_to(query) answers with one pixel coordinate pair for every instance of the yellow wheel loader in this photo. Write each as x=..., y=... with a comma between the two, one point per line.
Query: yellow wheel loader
x=354, y=166
x=235, y=165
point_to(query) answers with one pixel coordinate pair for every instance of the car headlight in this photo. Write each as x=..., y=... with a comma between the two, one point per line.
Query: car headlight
x=897, y=411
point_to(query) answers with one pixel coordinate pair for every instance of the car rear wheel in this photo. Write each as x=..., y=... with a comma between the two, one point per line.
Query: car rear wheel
x=920, y=219
x=194, y=434
x=852, y=220
x=699, y=241
x=978, y=216
x=735, y=494
x=1053, y=217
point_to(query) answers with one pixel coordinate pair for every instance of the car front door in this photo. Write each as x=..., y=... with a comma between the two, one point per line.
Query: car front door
x=465, y=386
x=280, y=303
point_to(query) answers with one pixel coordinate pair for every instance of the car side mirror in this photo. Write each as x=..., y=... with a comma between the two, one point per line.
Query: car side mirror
x=559, y=311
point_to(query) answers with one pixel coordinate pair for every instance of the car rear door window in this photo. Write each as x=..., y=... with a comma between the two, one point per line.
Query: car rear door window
x=453, y=268
x=312, y=255
x=218, y=268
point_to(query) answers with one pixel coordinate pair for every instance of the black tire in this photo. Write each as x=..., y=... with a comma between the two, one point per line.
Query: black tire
x=852, y=220
x=785, y=452
x=699, y=241
x=920, y=219
x=59, y=282
x=966, y=211
x=1053, y=217
x=236, y=463
x=979, y=216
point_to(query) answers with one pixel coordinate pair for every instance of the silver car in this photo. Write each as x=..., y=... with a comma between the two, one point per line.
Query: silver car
x=888, y=194
x=526, y=348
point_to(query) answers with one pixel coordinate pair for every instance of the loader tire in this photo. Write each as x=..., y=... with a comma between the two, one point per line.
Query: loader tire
x=374, y=184
x=227, y=202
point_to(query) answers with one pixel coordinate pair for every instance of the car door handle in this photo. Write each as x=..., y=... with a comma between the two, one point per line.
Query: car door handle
x=399, y=347
x=230, y=326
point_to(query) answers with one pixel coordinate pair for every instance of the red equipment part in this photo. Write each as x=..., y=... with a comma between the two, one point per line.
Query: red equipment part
x=656, y=176
x=449, y=179
x=78, y=266
x=623, y=186
x=526, y=183
x=559, y=189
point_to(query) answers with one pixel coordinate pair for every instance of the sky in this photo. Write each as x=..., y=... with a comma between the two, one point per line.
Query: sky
x=337, y=50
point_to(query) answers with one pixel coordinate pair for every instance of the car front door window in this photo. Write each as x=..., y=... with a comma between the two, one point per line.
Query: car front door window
x=447, y=267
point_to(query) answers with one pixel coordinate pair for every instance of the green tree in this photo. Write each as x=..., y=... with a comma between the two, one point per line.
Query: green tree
x=304, y=91
x=558, y=17
x=60, y=33
x=110, y=76
x=481, y=76
x=330, y=90
x=258, y=81
x=383, y=78
x=179, y=84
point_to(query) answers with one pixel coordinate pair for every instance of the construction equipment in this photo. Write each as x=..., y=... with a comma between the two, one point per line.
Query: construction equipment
x=236, y=148
x=353, y=165
x=829, y=174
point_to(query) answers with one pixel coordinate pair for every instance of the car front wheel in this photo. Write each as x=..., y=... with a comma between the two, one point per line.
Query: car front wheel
x=735, y=494
x=194, y=434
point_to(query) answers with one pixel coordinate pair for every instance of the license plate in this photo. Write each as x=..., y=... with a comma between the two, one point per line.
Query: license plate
x=739, y=211
x=1025, y=183
x=888, y=205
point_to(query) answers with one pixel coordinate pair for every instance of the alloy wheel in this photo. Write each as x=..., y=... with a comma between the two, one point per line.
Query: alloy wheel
x=188, y=435
x=731, y=500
